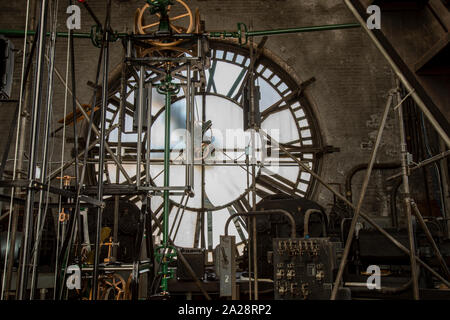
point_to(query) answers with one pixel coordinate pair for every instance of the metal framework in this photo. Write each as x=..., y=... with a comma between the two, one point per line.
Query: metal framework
x=165, y=64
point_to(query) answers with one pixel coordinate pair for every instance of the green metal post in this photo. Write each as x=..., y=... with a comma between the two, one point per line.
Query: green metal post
x=168, y=88
x=167, y=168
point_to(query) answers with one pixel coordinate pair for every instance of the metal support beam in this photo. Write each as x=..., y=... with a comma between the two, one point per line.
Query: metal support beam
x=35, y=126
x=407, y=200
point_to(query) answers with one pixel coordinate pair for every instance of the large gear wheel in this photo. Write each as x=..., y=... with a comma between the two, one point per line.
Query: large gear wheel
x=186, y=17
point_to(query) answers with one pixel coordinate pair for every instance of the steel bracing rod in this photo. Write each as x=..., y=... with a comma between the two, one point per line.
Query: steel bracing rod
x=57, y=172
x=95, y=128
x=102, y=149
x=422, y=164
x=179, y=221
x=400, y=75
x=92, y=14
x=429, y=236
x=351, y=205
x=37, y=97
x=45, y=159
x=407, y=200
x=174, y=222
x=361, y=197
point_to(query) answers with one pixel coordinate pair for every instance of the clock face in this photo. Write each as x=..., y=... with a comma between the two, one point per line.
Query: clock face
x=221, y=176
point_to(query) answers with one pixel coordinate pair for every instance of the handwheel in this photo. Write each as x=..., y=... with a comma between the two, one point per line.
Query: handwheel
x=142, y=28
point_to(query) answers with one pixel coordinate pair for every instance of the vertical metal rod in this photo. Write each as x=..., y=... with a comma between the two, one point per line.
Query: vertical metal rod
x=167, y=168
x=361, y=198
x=192, y=133
x=140, y=120
x=149, y=134
x=165, y=264
x=253, y=148
x=400, y=75
x=101, y=152
x=37, y=94
x=407, y=199
x=44, y=163
x=148, y=226
x=188, y=136
x=78, y=182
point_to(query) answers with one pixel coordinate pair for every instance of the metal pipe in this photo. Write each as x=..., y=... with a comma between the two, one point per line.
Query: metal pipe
x=102, y=149
x=361, y=199
x=78, y=182
x=140, y=119
x=362, y=287
x=360, y=167
x=37, y=93
x=400, y=75
x=189, y=137
x=192, y=133
x=302, y=29
x=308, y=214
x=22, y=33
x=351, y=205
x=83, y=35
x=149, y=134
x=49, y=112
x=166, y=168
x=262, y=213
x=407, y=200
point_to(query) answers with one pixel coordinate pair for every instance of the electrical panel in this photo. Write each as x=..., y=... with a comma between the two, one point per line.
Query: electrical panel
x=196, y=259
x=303, y=268
x=226, y=262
